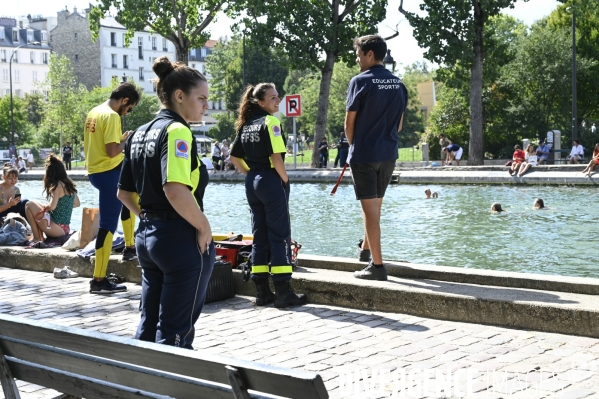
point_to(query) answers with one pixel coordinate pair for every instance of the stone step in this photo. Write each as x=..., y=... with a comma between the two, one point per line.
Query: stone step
x=525, y=308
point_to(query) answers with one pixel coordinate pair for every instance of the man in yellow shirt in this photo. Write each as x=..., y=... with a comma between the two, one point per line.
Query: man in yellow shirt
x=103, y=144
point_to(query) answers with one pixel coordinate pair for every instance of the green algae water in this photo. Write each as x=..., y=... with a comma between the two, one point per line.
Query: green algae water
x=457, y=229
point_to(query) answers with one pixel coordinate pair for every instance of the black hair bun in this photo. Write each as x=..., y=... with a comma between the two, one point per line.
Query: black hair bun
x=162, y=66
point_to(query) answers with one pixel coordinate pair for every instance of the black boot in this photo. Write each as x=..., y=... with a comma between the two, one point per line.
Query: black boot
x=264, y=295
x=363, y=254
x=286, y=298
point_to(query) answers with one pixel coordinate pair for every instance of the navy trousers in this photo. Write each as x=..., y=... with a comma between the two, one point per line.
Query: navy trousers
x=175, y=278
x=268, y=198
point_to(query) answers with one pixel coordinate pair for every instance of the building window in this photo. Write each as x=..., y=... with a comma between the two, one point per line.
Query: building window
x=141, y=73
x=113, y=57
x=75, y=35
x=17, y=77
x=15, y=35
x=113, y=39
x=164, y=46
x=29, y=35
x=125, y=63
x=5, y=75
x=44, y=58
x=76, y=57
x=35, y=76
x=124, y=41
x=32, y=57
x=46, y=93
x=2, y=33
x=3, y=56
x=44, y=36
x=18, y=93
x=15, y=57
x=140, y=48
x=153, y=43
x=203, y=52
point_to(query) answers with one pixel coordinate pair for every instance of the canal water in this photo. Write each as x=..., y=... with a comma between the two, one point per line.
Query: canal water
x=457, y=229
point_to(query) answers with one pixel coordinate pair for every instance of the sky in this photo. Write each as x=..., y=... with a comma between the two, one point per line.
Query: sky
x=404, y=48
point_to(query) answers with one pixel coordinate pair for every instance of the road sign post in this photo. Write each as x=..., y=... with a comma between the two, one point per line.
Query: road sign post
x=291, y=107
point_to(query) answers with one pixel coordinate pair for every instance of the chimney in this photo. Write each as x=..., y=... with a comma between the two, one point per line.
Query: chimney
x=74, y=10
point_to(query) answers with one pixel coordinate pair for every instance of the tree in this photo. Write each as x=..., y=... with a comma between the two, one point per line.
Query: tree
x=20, y=118
x=182, y=22
x=413, y=121
x=62, y=118
x=227, y=75
x=34, y=103
x=587, y=37
x=539, y=76
x=314, y=35
x=453, y=32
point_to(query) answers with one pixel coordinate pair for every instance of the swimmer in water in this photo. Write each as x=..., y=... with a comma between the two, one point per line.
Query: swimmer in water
x=496, y=207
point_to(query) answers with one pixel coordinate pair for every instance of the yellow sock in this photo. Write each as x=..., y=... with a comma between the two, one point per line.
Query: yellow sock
x=129, y=231
x=103, y=256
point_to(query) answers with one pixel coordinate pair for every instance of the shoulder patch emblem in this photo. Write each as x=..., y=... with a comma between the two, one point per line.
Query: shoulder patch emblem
x=182, y=149
x=276, y=130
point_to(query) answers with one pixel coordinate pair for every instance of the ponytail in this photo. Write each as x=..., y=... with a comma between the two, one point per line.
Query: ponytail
x=248, y=103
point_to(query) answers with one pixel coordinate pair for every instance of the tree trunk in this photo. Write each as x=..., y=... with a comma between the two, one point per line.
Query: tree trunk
x=182, y=54
x=475, y=149
x=323, y=105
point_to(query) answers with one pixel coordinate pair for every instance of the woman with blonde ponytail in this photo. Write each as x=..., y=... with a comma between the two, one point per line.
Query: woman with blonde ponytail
x=259, y=152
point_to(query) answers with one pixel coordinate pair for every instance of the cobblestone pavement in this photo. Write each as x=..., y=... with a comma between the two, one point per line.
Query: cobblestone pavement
x=338, y=343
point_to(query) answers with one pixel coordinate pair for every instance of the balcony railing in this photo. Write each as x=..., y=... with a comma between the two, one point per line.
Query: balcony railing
x=114, y=65
x=125, y=66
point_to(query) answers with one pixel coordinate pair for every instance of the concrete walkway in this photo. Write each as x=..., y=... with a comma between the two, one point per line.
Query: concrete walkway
x=333, y=340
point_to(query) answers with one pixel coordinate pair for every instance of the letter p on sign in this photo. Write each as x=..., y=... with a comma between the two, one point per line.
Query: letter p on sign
x=293, y=105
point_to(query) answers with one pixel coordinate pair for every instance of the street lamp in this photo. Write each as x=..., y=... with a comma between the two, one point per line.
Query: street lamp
x=389, y=62
x=12, y=118
x=574, y=119
x=124, y=80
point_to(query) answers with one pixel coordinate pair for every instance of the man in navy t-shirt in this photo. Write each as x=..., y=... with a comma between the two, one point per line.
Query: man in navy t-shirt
x=376, y=101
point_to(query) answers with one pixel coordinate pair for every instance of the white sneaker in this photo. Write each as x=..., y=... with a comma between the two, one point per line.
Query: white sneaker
x=65, y=272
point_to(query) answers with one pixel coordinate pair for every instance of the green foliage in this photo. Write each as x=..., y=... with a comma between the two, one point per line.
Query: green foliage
x=62, y=111
x=453, y=32
x=449, y=117
x=313, y=35
x=34, y=103
x=413, y=120
x=20, y=120
x=587, y=37
x=223, y=54
x=225, y=128
x=539, y=79
x=143, y=112
x=183, y=22
x=307, y=83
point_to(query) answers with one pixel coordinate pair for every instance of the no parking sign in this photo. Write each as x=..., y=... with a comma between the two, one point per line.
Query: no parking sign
x=291, y=106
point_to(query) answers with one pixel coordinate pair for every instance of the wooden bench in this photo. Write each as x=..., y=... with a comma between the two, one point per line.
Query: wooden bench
x=89, y=364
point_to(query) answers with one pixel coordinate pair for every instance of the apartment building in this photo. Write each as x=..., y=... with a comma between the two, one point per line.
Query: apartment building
x=30, y=54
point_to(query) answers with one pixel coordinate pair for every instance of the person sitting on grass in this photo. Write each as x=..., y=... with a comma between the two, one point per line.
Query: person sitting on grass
x=530, y=160
x=517, y=159
x=53, y=219
x=593, y=162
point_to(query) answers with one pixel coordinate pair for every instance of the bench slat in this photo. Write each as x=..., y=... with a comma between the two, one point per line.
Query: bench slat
x=112, y=372
x=72, y=383
x=258, y=377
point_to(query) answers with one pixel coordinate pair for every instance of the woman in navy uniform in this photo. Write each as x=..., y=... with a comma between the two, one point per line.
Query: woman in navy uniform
x=259, y=151
x=174, y=239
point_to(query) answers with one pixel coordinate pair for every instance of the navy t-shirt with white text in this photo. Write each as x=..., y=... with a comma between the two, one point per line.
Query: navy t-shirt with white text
x=380, y=99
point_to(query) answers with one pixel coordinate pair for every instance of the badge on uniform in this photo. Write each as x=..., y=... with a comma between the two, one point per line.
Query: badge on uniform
x=276, y=130
x=182, y=149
